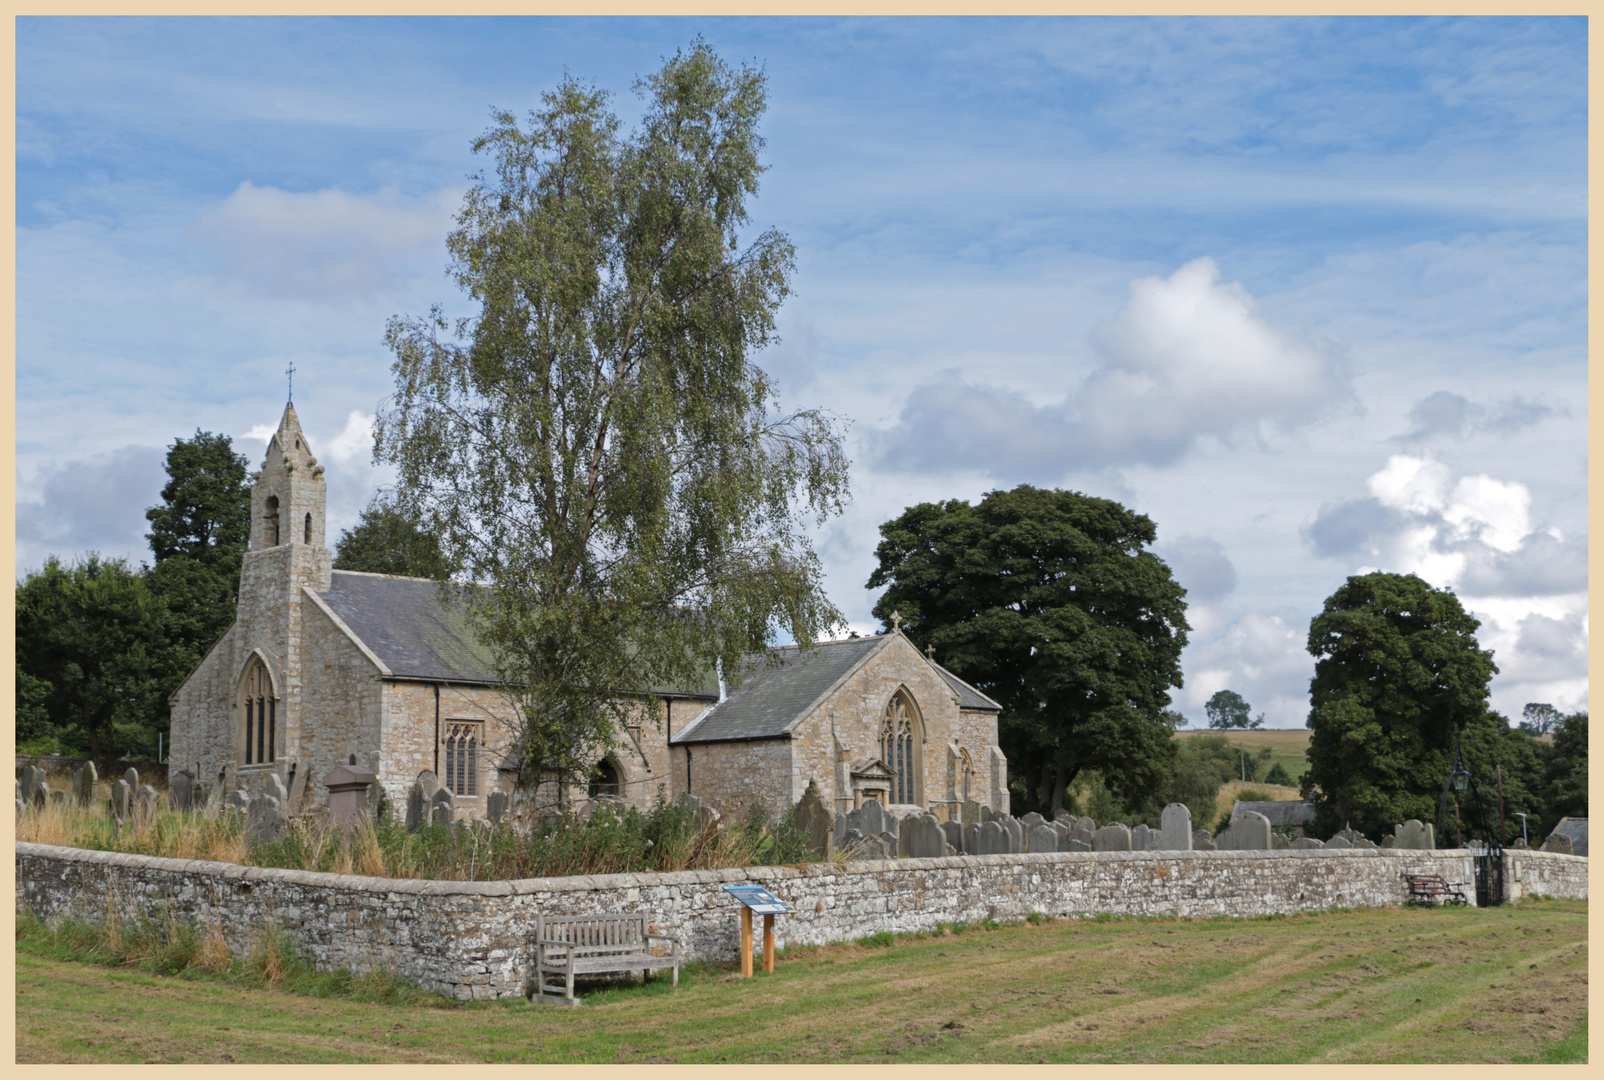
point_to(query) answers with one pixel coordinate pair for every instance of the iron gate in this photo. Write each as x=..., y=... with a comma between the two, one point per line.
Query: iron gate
x=1489, y=868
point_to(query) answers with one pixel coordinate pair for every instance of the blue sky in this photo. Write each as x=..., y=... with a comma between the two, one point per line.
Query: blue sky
x=1310, y=293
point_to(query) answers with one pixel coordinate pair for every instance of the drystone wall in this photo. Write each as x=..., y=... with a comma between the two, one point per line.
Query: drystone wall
x=468, y=939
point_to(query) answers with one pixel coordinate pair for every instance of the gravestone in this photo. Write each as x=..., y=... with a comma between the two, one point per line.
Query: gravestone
x=1085, y=825
x=348, y=793
x=1559, y=843
x=178, y=791
x=1518, y=844
x=1414, y=836
x=1061, y=827
x=496, y=804
x=1066, y=817
x=953, y=832
x=428, y=783
x=1141, y=838
x=923, y=838
x=1015, y=831
x=59, y=798
x=838, y=834
x=1081, y=835
x=276, y=788
x=993, y=838
x=1305, y=843
x=1073, y=844
x=971, y=844
x=1042, y=837
x=877, y=848
x=1112, y=837
x=265, y=820
x=1278, y=841
x=84, y=782
x=132, y=776
x=1338, y=841
x=816, y=820
x=32, y=778
x=1201, y=837
x=120, y=798
x=1175, y=828
x=1031, y=819
x=376, y=800
x=440, y=807
x=145, y=801
x=42, y=795
x=1249, y=832
x=869, y=819
x=417, y=807
x=969, y=814
x=200, y=796
x=238, y=800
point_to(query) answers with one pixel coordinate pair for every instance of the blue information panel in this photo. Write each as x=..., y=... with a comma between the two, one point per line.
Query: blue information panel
x=759, y=899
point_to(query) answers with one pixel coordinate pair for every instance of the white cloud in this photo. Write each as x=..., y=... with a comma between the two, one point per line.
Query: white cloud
x=355, y=440
x=324, y=246
x=93, y=504
x=1262, y=656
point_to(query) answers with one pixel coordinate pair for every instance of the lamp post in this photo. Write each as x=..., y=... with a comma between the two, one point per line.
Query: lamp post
x=1458, y=779
x=1522, y=827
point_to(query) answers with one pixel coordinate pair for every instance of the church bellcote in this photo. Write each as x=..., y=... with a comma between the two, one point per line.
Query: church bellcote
x=289, y=502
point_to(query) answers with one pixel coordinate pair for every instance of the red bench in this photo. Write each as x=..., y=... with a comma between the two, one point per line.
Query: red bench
x=1426, y=890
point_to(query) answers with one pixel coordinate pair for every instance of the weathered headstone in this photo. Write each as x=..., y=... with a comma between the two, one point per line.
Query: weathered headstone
x=1519, y=844
x=121, y=796
x=1112, y=837
x=1042, y=837
x=869, y=819
x=440, y=807
x=970, y=813
x=1559, y=843
x=276, y=788
x=1061, y=827
x=815, y=820
x=239, y=800
x=1083, y=836
x=179, y=791
x=1414, y=836
x=993, y=838
x=1305, y=843
x=972, y=838
x=1032, y=818
x=200, y=796
x=145, y=801
x=1338, y=841
x=31, y=779
x=59, y=798
x=376, y=799
x=265, y=820
x=348, y=793
x=953, y=832
x=417, y=808
x=922, y=837
x=84, y=782
x=496, y=804
x=1141, y=838
x=1085, y=825
x=428, y=783
x=42, y=795
x=1175, y=828
x=131, y=775
x=1201, y=837
x=838, y=834
x=1073, y=844
x=1066, y=817
x=1015, y=831
x=1278, y=841
x=1249, y=832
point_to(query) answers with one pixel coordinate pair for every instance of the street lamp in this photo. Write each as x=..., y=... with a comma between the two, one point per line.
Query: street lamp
x=1522, y=826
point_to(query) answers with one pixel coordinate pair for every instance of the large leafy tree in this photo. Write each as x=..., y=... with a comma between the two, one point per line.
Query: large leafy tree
x=386, y=541
x=596, y=445
x=89, y=635
x=198, y=534
x=1397, y=672
x=1229, y=709
x=1565, y=779
x=1050, y=602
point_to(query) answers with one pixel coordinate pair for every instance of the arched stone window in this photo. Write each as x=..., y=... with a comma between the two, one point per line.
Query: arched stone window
x=966, y=765
x=604, y=780
x=259, y=715
x=271, y=530
x=307, y=536
x=463, y=739
x=899, y=748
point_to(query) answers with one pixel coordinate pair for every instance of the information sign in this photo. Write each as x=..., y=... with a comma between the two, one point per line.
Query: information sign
x=759, y=899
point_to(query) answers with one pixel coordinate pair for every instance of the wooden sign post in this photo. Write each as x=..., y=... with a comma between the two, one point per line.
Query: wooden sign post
x=758, y=899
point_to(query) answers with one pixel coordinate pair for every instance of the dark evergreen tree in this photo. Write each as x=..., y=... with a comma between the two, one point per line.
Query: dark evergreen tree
x=1050, y=602
x=1565, y=778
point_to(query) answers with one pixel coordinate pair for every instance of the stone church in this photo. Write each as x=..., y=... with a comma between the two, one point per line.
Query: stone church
x=321, y=666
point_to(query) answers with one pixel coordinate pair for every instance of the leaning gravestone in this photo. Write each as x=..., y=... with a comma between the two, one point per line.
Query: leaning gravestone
x=1015, y=831
x=1061, y=827
x=275, y=788
x=815, y=820
x=42, y=795
x=1141, y=838
x=922, y=837
x=1414, y=835
x=1249, y=832
x=1042, y=837
x=1112, y=837
x=145, y=801
x=120, y=798
x=496, y=804
x=1175, y=828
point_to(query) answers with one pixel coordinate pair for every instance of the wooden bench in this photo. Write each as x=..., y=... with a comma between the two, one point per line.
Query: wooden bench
x=1427, y=889
x=570, y=945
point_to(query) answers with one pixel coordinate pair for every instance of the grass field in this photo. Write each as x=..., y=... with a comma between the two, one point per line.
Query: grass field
x=1286, y=746
x=1377, y=985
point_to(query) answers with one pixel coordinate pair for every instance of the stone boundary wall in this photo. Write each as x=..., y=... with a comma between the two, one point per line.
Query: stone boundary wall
x=468, y=939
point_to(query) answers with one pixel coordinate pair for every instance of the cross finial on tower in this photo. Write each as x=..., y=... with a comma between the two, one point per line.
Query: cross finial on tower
x=896, y=621
x=930, y=651
x=290, y=371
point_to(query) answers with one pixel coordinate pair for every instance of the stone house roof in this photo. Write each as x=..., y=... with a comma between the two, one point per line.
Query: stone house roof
x=1576, y=829
x=403, y=623
x=782, y=688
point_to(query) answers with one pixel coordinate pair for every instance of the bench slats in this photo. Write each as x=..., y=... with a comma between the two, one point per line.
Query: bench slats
x=569, y=945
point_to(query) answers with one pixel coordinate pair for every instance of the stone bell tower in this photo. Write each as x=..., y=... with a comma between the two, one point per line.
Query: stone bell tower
x=289, y=503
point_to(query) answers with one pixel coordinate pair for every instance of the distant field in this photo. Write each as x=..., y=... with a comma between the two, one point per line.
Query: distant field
x=1286, y=746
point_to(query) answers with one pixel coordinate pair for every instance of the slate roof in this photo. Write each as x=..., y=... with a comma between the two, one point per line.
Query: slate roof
x=402, y=621
x=1284, y=812
x=1576, y=829
x=773, y=698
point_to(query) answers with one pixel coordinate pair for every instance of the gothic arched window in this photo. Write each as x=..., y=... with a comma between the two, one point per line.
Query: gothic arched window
x=462, y=756
x=272, y=521
x=260, y=715
x=899, y=749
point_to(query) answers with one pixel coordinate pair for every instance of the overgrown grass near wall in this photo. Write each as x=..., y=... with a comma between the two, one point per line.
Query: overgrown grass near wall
x=612, y=841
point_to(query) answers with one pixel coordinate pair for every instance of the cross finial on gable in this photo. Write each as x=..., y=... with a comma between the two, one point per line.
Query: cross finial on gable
x=930, y=651
x=896, y=621
x=290, y=371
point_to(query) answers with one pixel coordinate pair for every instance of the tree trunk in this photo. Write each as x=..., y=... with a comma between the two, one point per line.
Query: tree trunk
x=1044, y=791
x=1060, y=779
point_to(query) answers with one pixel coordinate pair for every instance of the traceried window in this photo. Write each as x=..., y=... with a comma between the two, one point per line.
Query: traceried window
x=271, y=530
x=261, y=715
x=463, y=740
x=899, y=749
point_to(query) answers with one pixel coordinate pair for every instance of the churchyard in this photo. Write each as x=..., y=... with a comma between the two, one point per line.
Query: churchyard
x=1386, y=984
